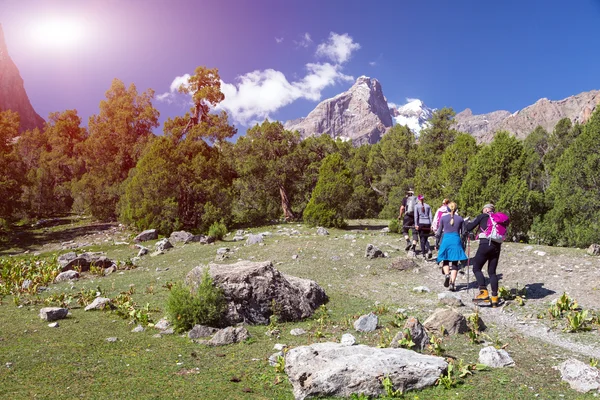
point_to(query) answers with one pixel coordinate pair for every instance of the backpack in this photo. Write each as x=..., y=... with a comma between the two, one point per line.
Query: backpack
x=496, y=228
x=411, y=202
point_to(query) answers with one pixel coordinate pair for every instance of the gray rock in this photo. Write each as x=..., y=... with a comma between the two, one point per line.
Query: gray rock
x=163, y=245
x=295, y=257
x=168, y=331
x=26, y=283
x=495, y=358
x=163, y=324
x=99, y=303
x=452, y=322
x=66, y=276
x=254, y=239
x=373, y=252
x=273, y=358
x=64, y=259
x=53, y=313
x=366, y=323
x=53, y=325
x=223, y=250
x=331, y=369
x=110, y=270
x=450, y=299
x=421, y=289
x=322, y=231
x=138, y=329
x=404, y=264
x=348, y=340
x=149, y=234
x=180, y=236
x=84, y=261
x=360, y=114
x=594, y=249
x=229, y=335
x=580, y=376
x=417, y=333
x=250, y=289
x=143, y=251
x=297, y=332
x=200, y=331
x=238, y=238
x=111, y=339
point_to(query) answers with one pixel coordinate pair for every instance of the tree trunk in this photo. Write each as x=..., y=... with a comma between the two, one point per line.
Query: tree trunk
x=285, y=205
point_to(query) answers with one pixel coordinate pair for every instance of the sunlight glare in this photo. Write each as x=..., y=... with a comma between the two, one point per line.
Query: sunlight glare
x=57, y=33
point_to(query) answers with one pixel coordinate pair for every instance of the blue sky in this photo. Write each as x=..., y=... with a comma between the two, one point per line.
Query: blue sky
x=280, y=58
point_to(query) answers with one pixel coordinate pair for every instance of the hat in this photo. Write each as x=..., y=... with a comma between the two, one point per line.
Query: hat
x=490, y=206
x=410, y=191
x=420, y=197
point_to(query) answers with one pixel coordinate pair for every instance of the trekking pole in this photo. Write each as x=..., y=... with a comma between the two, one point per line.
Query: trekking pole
x=468, y=262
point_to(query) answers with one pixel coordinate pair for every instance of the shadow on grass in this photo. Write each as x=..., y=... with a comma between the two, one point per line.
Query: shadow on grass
x=30, y=238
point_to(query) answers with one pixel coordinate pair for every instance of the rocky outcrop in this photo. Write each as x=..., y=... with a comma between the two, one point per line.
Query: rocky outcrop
x=84, y=261
x=254, y=289
x=332, y=369
x=12, y=91
x=360, y=114
x=545, y=113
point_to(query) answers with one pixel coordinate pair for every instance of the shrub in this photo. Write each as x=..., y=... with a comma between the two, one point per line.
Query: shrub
x=206, y=306
x=393, y=226
x=322, y=215
x=217, y=230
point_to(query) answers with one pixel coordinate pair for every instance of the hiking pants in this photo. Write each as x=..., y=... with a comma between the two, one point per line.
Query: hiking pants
x=490, y=253
x=424, y=230
x=409, y=223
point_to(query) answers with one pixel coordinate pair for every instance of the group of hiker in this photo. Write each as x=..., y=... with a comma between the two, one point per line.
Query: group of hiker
x=452, y=237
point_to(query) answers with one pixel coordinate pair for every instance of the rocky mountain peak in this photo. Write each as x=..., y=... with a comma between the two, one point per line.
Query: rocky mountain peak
x=360, y=114
x=414, y=114
x=12, y=91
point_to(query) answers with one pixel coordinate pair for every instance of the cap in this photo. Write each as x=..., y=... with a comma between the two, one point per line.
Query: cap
x=490, y=206
x=410, y=191
x=420, y=197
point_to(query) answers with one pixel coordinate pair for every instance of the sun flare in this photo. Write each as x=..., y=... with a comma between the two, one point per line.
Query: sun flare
x=57, y=33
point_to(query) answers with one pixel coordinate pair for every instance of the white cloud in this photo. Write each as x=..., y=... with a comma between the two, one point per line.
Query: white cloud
x=411, y=99
x=261, y=93
x=278, y=40
x=338, y=48
x=257, y=94
x=372, y=63
x=304, y=41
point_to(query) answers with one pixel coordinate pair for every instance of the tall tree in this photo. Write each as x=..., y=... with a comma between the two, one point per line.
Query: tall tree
x=11, y=168
x=454, y=165
x=117, y=136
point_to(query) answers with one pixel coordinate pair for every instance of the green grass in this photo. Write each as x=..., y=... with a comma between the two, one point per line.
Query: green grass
x=76, y=361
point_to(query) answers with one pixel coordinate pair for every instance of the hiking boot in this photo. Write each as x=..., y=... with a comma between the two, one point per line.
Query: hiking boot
x=447, y=281
x=452, y=287
x=408, y=246
x=429, y=255
x=483, y=296
x=413, y=247
x=494, y=301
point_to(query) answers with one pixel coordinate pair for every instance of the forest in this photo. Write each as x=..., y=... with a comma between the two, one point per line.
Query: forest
x=193, y=175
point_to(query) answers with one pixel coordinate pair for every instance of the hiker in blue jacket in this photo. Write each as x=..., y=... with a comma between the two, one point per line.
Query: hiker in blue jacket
x=488, y=251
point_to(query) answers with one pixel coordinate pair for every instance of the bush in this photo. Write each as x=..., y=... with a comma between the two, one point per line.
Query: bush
x=321, y=215
x=217, y=230
x=205, y=307
x=393, y=226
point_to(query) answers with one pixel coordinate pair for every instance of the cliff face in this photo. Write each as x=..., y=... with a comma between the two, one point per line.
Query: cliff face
x=545, y=113
x=12, y=92
x=360, y=114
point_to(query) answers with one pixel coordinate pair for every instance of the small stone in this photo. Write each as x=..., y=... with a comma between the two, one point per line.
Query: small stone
x=162, y=325
x=279, y=346
x=53, y=313
x=99, y=303
x=138, y=329
x=274, y=357
x=157, y=335
x=111, y=339
x=53, y=325
x=295, y=257
x=348, y=340
x=366, y=323
x=297, y=332
x=8, y=365
x=421, y=289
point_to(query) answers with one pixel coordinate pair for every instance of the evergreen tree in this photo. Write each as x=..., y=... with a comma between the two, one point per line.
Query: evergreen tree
x=454, y=166
x=11, y=168
x=332, y=192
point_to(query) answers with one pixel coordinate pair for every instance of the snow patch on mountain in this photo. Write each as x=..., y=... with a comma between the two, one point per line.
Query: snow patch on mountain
x=414, y=114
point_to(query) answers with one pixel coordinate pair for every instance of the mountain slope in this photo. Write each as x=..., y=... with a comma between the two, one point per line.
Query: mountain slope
x=12, y=92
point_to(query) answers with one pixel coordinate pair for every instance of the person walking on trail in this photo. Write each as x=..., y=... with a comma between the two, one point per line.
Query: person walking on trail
x=488, y=251
x=436, y=221
x=451, y=251
x=407, y=216
x=423, y=221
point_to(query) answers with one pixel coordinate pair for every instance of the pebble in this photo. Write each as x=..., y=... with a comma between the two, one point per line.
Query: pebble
x=111, y=339
x=53, y=325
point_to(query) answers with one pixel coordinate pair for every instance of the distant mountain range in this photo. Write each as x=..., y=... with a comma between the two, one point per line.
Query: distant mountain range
x=362, y=114
x=12, y=92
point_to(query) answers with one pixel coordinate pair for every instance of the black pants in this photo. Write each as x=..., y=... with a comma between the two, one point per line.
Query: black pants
x=409, y=223
x=490, y=253
x=424, y=230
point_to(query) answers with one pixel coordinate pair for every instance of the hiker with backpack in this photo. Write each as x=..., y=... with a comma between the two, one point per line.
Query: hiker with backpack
x=407, y=215
x=492, y=229
x=436, y=221
x=451, y=250
x=423, y=221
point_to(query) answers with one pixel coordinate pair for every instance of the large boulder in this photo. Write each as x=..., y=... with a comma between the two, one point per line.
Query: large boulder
x=149, y=234
x=84, y=261
x=254, y=239
x=252, y=288
x=229, y=335
x=580, y=376
x=452, y=322
x=181, y=236
x=332, y=369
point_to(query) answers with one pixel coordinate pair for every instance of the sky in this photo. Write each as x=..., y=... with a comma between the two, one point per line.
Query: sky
x=278, y=59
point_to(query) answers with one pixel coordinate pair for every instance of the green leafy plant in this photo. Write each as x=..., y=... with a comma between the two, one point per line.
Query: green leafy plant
x=474, y=330
x=577, y=321
x=280, y=365
x=394, y=226
x=435, y=345
x=398, y=320
x=359, y=396
x=217, y=230
x=205, y=306
x=406, y=342
x=388, y=387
